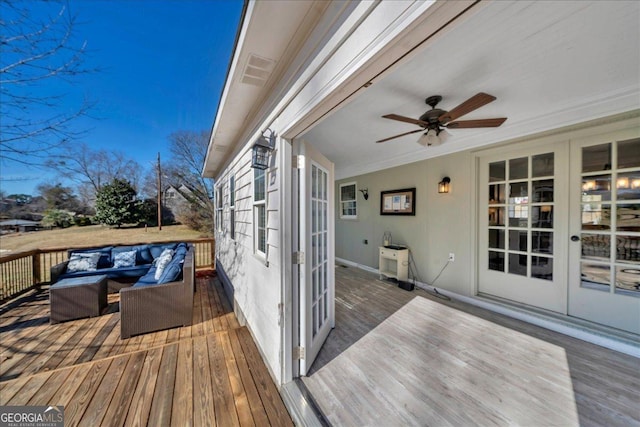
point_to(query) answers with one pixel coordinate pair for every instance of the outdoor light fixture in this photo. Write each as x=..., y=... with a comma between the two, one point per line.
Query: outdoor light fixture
x=365, y=193
x=443, y=186
x=261, y=150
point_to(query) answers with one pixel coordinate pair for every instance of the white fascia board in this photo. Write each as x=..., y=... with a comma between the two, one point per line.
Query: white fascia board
x=334, y=27
x=237, y=50
x=375, y=32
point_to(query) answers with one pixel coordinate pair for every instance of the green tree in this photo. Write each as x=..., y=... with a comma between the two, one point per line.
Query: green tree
x=116, y=204
x=59, y=197
x=57, y=218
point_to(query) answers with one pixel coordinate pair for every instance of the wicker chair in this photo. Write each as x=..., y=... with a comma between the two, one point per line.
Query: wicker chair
x=157, y=307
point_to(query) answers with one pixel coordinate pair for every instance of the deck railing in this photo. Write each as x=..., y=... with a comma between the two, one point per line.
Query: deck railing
x=22, y=271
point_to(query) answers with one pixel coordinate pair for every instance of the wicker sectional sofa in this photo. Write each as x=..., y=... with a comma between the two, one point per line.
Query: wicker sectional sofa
x=148, y=307
x=150, y=300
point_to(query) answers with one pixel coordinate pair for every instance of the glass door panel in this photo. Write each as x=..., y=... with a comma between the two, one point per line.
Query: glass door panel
x=518, y=238
x=610, y=206
x=605, y=261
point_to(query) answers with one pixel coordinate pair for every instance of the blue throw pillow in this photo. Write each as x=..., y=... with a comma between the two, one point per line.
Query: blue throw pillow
x=124, y=259
x=143, y=255
x=171, y=271
x=157, y=249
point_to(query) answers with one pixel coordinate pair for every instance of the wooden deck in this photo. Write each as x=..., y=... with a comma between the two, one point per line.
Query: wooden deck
x=210, y=373
x=407, y=358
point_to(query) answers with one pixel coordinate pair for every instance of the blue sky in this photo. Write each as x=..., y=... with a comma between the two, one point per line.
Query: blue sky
x=163, y=65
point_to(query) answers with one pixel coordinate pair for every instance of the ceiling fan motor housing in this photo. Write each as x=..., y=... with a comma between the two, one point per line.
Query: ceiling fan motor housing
x=432, y=116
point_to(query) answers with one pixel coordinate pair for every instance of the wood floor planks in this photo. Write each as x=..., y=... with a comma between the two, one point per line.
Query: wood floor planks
x=192, y=376
x=398, y=357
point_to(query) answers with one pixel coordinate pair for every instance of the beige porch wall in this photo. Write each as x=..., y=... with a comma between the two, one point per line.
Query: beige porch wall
x=443, y=222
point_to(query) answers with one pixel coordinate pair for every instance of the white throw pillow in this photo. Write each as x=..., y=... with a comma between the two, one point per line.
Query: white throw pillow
x=162, y=261
x=124, y=259
x=87, y=261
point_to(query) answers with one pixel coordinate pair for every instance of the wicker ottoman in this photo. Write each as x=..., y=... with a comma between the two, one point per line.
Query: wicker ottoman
x=77, y=297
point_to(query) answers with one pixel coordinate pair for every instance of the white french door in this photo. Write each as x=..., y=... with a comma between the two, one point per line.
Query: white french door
x=522, y=226
x=316, y=240
x=604, y=284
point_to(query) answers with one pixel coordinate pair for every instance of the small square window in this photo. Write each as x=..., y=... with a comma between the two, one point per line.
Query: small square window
x=348, y=202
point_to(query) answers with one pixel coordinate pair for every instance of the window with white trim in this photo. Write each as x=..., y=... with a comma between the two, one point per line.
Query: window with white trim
x=260, y=211
x=348, y=203
x=232, y=207
x=219, y=208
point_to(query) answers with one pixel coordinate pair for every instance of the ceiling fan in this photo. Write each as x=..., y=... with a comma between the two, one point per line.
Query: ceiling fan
x=435, y=120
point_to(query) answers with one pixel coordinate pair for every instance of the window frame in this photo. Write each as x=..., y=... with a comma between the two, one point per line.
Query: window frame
x=232, y=207
x=219, y=208
x=354, y=200
x=259, y=204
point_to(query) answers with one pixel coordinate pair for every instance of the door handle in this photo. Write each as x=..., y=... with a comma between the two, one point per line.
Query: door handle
x=575, y=238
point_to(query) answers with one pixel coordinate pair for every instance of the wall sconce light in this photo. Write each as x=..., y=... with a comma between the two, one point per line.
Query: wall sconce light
x=622, y=182
x=635, y=183
x=365, y=193
x=443, y=186
x=261, y=150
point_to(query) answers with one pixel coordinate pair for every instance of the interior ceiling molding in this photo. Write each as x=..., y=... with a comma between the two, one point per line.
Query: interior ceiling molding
x=585, y=128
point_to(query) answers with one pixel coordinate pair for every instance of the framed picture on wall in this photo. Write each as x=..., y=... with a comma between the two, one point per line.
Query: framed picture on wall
x=398, y=202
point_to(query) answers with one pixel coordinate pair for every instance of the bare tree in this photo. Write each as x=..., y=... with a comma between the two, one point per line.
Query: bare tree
x=188, y=150
x=92, y=169
x=34, y=50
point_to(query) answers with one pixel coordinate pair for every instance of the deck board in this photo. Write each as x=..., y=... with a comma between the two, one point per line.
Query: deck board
x=203, y=374
x=398, y=357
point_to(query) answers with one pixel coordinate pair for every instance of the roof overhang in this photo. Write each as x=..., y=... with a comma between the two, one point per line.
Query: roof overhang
x=270, y=35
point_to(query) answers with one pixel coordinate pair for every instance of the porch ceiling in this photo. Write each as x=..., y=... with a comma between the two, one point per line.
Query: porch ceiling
x=548, y=64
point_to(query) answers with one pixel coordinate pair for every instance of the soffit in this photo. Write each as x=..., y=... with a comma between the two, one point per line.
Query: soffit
x=549, y=65
x=271, y=33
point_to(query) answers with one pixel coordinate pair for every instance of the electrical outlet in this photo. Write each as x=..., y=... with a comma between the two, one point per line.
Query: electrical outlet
x=452, y=257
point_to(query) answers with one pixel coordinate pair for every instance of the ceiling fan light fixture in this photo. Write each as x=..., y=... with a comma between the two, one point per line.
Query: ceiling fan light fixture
x=430, y=138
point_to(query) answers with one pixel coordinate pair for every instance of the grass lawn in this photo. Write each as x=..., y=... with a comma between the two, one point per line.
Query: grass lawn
x=93, y=235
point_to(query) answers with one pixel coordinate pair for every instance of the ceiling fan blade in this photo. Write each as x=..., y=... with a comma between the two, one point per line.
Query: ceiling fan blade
x=484, y=123
x=398, y=136
x=406, y=119
x=476, y=101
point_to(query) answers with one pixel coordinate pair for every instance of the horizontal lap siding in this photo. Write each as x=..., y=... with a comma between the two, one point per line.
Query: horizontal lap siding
x=256, y=283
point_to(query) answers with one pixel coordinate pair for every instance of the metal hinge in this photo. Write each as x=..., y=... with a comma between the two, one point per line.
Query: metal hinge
x=298, y=257
x=299, y=353
x=297, y=162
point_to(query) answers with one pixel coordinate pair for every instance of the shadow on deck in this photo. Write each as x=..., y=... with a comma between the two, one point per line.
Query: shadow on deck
x=207, y=373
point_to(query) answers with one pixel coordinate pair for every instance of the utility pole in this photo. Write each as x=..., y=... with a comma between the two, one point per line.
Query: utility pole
x=159, y=195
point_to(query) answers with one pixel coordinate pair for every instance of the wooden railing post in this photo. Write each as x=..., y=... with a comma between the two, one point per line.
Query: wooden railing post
x=35, y=262
x=212, y=245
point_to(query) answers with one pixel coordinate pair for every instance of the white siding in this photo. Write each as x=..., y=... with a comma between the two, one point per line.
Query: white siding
x=255, y=283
